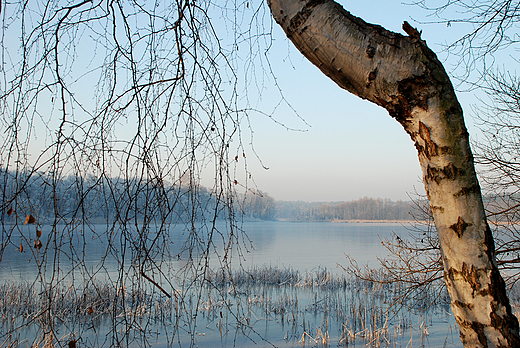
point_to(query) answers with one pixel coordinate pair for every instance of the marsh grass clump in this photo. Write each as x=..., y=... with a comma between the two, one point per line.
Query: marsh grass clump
x=263, y=276
x=28, y=309
x=323, y=306
x=275, y=276
x=24, y=300
x=320, y=308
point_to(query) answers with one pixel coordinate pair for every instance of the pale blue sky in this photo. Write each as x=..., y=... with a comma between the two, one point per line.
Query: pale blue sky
x=352, y=148
x=347, y=148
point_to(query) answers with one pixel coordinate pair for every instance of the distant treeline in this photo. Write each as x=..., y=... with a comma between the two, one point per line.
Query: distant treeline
x=261, y=206
x=105, y=199
x=361, y=209
x=99, y=199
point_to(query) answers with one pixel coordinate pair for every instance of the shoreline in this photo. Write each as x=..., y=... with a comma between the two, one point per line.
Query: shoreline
x=359, y=221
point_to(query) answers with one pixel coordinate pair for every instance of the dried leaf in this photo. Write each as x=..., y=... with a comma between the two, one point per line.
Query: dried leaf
x=21, y=248
x=38, y=233
x=90, y=310
x=236, y=158
x=29, y=219
x=38, y=244
x=236, y=182
x=10, y=211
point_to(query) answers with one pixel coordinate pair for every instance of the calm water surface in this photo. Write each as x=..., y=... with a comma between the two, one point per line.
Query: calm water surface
x=301, y=246
x=305, y=247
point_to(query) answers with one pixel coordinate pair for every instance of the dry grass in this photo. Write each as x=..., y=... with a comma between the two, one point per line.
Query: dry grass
x=314, y=309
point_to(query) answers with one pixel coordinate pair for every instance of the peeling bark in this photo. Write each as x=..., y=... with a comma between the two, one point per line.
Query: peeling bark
x=401, y=74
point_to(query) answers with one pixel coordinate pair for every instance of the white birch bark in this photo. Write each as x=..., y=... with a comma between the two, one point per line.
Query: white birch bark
x=401, y=74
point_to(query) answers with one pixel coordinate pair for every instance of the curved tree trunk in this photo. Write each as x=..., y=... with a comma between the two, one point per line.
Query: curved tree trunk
x=401, y=74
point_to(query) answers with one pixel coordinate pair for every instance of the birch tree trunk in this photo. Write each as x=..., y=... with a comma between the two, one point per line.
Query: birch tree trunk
x=401, y=74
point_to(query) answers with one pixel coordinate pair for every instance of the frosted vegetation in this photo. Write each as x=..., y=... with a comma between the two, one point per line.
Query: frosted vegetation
x=93, y=205
x=281, y=306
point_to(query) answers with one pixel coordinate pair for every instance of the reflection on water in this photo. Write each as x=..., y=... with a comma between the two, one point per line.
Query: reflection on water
x=307, y=246
x=301, y=246
x=291, y=290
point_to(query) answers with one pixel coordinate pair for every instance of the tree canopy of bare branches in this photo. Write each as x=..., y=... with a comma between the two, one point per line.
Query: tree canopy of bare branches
x=111, y=113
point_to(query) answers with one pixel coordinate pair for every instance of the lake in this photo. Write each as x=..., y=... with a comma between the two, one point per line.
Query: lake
x=311, y=302
x=301, y=246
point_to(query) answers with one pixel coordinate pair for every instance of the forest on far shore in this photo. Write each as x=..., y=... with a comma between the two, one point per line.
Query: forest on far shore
x=98, y=199
x=362, y=209
x=259, y=205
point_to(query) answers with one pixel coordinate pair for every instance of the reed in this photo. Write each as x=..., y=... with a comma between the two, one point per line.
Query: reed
x=319, y=308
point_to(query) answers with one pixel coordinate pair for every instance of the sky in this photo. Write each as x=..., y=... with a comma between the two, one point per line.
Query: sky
x=321, y=143
x=347, y=148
